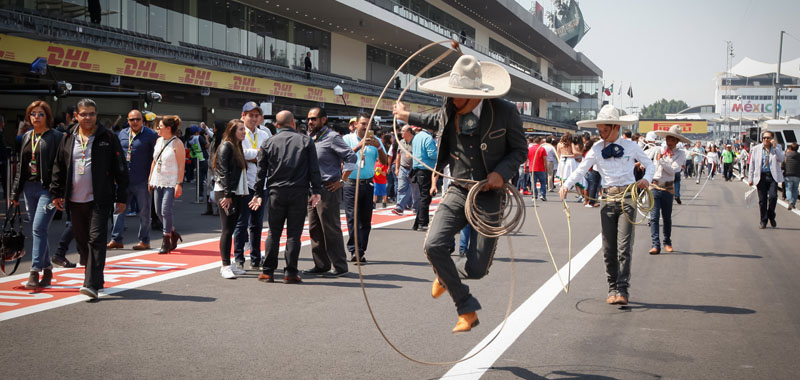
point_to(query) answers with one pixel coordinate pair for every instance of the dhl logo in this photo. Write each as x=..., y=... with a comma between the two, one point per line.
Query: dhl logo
x=197, y=77
x=346, y=99
x=315, y=94
x=7, y=55
x=387, y=104
x=283, y=89
x=367, y=102
x=140, y=68
x=245, y=84
x=70, y=58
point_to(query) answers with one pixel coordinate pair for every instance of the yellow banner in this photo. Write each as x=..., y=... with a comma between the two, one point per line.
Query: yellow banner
x=664, y=125
x=25, y=50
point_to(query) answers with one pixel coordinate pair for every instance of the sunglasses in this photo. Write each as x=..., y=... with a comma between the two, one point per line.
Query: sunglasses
x=313, y=118
x=38, y=114
x=135, y=119
x=766, y=137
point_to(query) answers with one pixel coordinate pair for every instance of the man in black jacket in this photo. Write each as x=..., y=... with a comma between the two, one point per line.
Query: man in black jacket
x=480, y=137
x=90, y=175
x=288, y=164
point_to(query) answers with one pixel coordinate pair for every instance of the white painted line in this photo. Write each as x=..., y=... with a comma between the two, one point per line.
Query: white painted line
x=519, y=320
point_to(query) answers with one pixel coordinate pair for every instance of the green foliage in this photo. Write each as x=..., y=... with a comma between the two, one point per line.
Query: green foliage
x=658, y=109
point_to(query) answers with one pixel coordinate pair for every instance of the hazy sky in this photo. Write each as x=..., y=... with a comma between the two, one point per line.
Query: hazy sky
x=673, y=49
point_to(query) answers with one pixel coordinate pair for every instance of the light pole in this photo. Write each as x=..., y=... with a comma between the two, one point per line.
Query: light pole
x=739, y=98
x=777, y=79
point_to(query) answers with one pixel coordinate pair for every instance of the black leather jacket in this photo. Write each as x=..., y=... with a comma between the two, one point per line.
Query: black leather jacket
x=47, y=155
x=227, y=171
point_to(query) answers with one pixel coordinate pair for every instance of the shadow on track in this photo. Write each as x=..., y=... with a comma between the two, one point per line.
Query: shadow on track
x=712, y=254
x=573, y=372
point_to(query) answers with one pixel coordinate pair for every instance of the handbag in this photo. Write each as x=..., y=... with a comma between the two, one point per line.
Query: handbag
x=12, y=241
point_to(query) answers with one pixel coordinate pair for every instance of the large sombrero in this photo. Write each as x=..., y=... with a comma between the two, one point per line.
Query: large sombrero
x=470, y=79
x=609, y=115
x=674, y=131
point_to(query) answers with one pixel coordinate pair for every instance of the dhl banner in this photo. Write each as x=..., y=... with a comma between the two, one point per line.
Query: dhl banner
x=25, y=50
x=696, y=126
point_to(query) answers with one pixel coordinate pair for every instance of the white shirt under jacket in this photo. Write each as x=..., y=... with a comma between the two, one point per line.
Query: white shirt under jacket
x=614, y=171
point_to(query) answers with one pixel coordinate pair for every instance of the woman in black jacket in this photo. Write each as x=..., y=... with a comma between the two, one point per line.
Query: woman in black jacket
x=36, y=157
x=230, y=183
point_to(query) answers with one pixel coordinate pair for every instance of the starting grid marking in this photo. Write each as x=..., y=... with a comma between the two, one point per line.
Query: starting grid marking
x=133, y=270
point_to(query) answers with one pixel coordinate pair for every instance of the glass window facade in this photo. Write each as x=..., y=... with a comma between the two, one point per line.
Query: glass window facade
x=510, y=57
x=381, y=65
x=219, y=24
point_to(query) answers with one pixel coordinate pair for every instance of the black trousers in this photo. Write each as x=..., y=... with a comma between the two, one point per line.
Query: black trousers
x=448, y=221
x=767, y=197
x=365, y=206
x=90, y=226
x=325, y=229
x=423, y=178
x=286, y=205
x=727, y=169
x=228, y=225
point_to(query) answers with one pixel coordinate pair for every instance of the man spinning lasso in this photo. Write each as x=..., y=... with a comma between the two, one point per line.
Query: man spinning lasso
x=481, y=138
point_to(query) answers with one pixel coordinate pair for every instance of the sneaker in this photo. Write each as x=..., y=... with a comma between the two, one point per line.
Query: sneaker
x=397, y=212
x=227, y=272
x=61, y=261
x=236, y=268
x=588, y=206
x=255, y=265
x=89, y=292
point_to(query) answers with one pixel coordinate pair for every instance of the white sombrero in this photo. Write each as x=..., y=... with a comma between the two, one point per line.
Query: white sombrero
x=609, y=115
x=470, y=79
x=674, y=131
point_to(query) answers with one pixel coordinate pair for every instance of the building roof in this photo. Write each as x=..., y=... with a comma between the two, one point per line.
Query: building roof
x=749, y=67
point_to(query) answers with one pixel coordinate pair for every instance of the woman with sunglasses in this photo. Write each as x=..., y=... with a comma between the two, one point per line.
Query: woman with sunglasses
x=36, y=157
x=169, y=159
x=230, y=184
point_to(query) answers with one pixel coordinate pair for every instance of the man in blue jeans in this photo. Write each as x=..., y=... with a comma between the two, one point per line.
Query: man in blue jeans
x=138, y=144
x=668, y=161
x=250, y=222
x=402, y=171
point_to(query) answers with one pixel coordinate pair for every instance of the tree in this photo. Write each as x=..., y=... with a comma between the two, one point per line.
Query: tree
x=659, y=109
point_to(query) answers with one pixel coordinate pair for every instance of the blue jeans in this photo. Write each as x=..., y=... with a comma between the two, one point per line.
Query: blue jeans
x=677, y=185
x=540, y=177
x=143, y=198
x=663, y=206
x=593, y=182
x=790, y=183
x=403, y=189
x=249, y=227
x=37, y=200
x=165, y=198
x=467, y=241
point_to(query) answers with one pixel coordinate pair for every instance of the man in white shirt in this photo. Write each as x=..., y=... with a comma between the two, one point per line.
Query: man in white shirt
x=614, y=158
x=250, y=222
x=668, y=161
x=552, y=159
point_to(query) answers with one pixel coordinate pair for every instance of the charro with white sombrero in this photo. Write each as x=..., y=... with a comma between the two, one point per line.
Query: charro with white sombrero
x=668, y=158
x=615, y=159
x=480, y=138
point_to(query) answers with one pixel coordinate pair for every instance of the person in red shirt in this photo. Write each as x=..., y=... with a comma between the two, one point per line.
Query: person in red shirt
x=537, y=161
x=380, y=182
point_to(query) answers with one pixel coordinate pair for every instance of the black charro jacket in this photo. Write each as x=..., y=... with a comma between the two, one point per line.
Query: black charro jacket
x=109, y=169
x=503, y=145
x=49, y=143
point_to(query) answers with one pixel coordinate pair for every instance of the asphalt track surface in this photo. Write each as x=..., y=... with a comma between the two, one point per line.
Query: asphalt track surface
x=724, y=305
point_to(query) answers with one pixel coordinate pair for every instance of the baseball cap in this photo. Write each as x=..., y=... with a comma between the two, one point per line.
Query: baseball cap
x=251, y=105
x=353, y=120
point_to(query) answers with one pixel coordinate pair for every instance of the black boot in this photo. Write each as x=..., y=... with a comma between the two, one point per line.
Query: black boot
x=166, y=245
x=47, y=276
x=33, y=281
x=174, y=240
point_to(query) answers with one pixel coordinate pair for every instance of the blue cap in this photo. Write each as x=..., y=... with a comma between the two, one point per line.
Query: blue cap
x=251, y=105
x=194, y=129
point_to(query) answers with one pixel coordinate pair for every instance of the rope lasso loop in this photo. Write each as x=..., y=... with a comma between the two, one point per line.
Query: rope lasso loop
x=482, y=226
